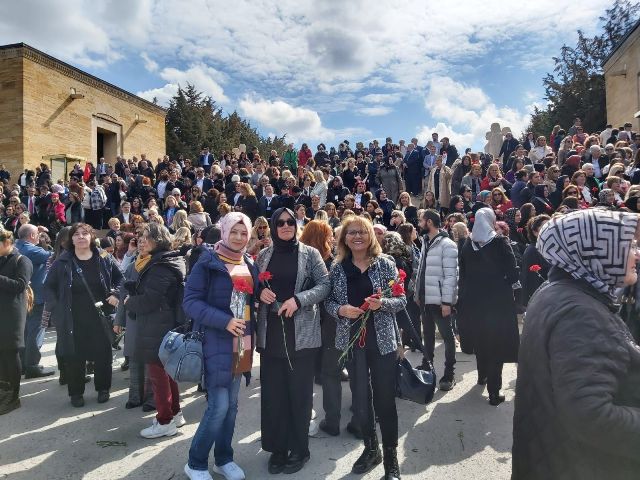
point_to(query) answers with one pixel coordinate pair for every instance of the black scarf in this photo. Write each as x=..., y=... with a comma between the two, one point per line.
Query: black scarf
x=280, y=245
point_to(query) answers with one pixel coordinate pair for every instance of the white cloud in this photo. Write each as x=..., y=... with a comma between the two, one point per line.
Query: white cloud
x=200, y=75
x=465, y=113
x=375, y=111
x=382, y=98
x=149, y=64
x=298, y=123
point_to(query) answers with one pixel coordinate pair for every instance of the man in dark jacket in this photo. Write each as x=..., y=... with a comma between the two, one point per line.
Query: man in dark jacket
x=449, y=150
x=518, y=186
x=413, y=170
x=509, y=146
x=529, y=192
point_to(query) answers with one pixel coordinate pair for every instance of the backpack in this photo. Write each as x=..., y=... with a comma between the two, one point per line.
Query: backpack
x=97, y=200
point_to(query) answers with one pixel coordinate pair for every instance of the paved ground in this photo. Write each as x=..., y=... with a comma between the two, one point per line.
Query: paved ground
x=458, y=436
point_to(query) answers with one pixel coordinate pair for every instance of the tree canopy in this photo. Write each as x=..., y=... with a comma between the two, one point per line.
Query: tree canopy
x=195, y=121
x=576, y=87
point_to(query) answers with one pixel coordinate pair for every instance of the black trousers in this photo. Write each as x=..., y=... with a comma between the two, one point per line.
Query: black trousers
x=286, y=400
x=373, y=379
x=331, y=373
x=75, y=372
x=11, y=370
x=432, y=316
x=490, y=369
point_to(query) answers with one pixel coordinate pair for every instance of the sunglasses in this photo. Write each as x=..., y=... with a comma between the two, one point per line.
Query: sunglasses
x=281, y=223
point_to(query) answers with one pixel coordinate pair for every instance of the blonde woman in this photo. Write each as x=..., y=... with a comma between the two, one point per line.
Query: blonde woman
x=566, y=145
x=320, y=188
x=260, y=236
x=223, y=209
x=179, y=221
x=198, y=217
x=248, y=203
x=180, y=238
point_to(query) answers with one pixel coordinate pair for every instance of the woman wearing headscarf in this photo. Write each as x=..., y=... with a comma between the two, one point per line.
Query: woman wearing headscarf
x=487, y=259
x=210, y=292
x=516, y=233
x=541, y=201
x=360, y=271
x=577, y=407
x=607, y=199
x=288, y=341
x=555, y=198
x=386, y=205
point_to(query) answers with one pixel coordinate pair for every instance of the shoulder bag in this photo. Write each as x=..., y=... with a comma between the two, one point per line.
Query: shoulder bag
x=181, y=354
x=105, y=321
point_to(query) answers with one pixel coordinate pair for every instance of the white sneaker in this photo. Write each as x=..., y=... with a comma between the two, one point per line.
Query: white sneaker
x=197, y=474
x=157, y=430
x=313, y=428
x=179, y=420
x=313, y=414
x=230, y=471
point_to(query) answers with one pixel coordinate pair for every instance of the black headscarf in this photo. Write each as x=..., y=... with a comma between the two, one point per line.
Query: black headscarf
x=280, y=245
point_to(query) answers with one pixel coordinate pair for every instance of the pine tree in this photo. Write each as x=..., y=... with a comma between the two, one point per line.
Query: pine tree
x=576, y=88
x=195, y=121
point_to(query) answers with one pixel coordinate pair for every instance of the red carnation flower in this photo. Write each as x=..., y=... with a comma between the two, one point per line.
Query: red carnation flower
x=397, y=289
x=242, y=285
x=265, y=276
x=594, y=189
x=520, y=230
x=364, y=307
x=535, y=268
x=402, y=275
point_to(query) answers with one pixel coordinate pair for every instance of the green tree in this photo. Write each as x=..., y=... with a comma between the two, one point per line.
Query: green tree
x=194, y=121
x=576, y=88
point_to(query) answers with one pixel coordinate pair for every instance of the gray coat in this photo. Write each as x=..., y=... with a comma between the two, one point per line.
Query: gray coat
x=123, y=318
x=313, y=276
x=577, y=407
x=381, y=272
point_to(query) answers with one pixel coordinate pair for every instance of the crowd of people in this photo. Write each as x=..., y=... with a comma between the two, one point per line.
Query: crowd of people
x=330, y=264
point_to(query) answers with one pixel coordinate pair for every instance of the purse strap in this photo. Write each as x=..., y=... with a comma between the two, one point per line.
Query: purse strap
x=86, y=286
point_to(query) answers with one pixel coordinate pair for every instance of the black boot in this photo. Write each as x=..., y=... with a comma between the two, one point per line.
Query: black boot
x=496, y=399
x=8, y=399
x=370, y=457
x=391, y=467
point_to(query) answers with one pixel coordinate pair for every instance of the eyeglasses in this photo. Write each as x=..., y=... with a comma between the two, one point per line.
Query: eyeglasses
x=262, y=227
x=281, y=223
x=357, y=233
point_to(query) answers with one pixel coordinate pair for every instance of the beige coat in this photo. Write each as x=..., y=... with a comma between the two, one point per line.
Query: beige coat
x=445, y=185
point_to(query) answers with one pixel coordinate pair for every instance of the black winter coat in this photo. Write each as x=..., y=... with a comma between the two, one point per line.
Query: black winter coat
x=15, y=273
x=57, y=288
x=153, y=301
x=577, y=406
x=486, y=304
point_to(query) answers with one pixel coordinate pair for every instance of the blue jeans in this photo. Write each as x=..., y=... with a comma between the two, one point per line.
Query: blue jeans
x=33, y=338
x=217, y=426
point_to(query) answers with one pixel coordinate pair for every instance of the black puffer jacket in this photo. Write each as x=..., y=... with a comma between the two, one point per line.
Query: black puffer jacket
x=15, y=273
x=577, y=407
x=154, y=302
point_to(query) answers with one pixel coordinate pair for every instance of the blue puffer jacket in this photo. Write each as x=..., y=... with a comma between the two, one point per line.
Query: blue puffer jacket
x=207, y=299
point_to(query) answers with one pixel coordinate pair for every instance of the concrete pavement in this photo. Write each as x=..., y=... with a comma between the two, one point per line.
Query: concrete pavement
x=458, y=436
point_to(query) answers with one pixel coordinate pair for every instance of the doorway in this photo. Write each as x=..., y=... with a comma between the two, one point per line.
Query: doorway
x=106, y=145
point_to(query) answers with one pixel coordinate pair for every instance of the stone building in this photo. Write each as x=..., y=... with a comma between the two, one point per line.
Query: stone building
x=622, y=79
x=49, y=109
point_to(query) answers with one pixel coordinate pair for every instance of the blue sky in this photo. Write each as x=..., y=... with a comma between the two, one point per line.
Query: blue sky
x=321, y=70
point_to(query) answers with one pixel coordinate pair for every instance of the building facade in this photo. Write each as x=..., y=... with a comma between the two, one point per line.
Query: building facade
x=49, y=108
x=622, y=79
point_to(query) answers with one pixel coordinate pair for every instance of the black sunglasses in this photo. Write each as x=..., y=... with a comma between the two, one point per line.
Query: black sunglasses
x=291, y=222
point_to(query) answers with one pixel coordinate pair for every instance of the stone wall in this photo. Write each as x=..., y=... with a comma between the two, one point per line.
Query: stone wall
x=622, y=77
x=54, y=123
x=11, y=136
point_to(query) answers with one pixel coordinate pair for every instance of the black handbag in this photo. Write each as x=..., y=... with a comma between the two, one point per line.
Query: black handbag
x=105, y=321
x=414, y=384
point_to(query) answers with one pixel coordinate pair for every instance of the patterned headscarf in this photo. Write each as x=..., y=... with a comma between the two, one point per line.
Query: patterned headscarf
x=602, y=196
x=592, y=245
x=510, y=218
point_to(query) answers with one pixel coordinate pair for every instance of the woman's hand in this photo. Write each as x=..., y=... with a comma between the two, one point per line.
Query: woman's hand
x=267, y=296
x=113, y=301
x=117, y=329
x=374, y=301
x=288, y=308
x=132, y=248
x=236, y=327
x=349, y=311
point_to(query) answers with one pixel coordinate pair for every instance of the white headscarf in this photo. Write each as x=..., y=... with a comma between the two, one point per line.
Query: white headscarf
x=484, y=229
